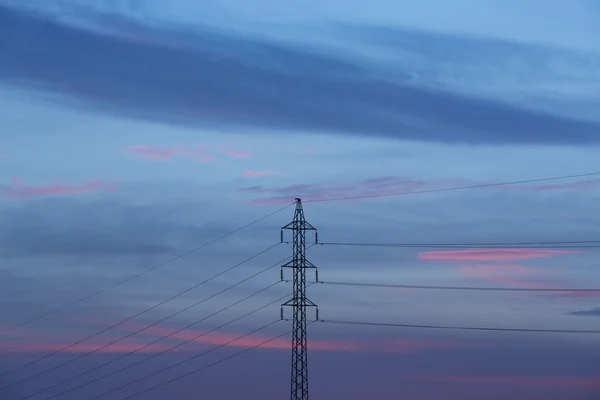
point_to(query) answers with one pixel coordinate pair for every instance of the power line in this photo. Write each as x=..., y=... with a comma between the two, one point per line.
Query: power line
x=493, y=245
x=114, y=285
x=182, y=362
x=154, y=342
x=127, y=319
x=468, y=328
x=485, y=185
x=434, y=287
x=239, y=353
x=154, y=324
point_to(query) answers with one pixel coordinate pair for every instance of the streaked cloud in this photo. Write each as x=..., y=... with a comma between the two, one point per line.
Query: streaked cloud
x=508, y=274
x=21, y=190
x=158, y=153
x=258, y=174
x=276, y=87
x=393, y=185
x=562, y=382
x=492, y=254
x=595, y=312
x=237, y=154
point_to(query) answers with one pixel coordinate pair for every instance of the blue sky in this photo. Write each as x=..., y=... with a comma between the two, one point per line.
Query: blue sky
x=133, y=131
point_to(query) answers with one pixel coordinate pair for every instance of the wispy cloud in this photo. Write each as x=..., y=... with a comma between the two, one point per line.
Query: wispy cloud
x=4, y=155
x=500, y=268
x=158, y=153
x=237, y=154
x=367, y=187
x=36, y=341
x=391, y=185
x=405, y=345
x=95, y=346
x=257, y=174
x=492, y=254
x=277, y=85
x=595, y=312
x=562, y=382
x=507, y=274
x=20, y=190
x=576, y=186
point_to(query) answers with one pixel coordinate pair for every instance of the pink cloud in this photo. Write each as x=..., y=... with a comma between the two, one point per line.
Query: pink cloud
x=389, y=186
x=579, y=186
x=492, y=254
x=4, y=155
x=377, y=186
x=256, y=174
x=26, y=341
x=236, y=154
x=507, y=274
x=158, y=153
x=37, y=347
x=20, y=190
x=583, y=383
x=520, y=276
x=381, y=345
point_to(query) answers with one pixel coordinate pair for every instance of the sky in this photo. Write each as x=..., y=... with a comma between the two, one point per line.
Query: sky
x=135, y=133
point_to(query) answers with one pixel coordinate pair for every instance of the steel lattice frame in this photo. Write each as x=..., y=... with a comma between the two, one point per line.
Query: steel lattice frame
x=299, y=302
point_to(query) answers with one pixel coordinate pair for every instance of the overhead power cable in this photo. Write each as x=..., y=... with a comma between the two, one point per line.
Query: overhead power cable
x=147, y=271
x=485, y=185
x=155, y=342
x=239, y=353
x=434, y=287
x=126, y=320
x=159, y=339
x=467, y=328
x=493, y=245
x=182, y=362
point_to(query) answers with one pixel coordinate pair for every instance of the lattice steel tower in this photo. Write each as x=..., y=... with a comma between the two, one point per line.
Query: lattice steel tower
x=299, y=264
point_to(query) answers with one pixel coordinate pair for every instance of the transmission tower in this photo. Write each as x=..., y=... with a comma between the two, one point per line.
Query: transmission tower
x=299, y=264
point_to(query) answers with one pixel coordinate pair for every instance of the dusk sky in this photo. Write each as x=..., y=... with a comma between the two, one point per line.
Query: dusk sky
x=135, y=131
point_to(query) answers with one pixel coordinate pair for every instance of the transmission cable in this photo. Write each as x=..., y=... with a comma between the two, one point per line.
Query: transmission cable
x=492, y=245
x=147, y=346
x=156, y=323
x=434, y=287
x=194, y=356
x=468, y=328
x=164, y=337
x=114, y=285
x=239, y=353
x=126, y=320
x=485, y=185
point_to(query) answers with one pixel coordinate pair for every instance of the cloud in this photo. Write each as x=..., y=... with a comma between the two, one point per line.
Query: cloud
x=158, y=153
x=520, y=276
x=374, y=186
x=389, y=185
x=492, y=254
x=126, y=346
x=64, y=227
x=20, y=190
x=351, y=345
x=4, y=155
x=586, y=313
x=147, y=73
x=237, y=154
x=257, y=174
x=508, y=274
x=38, y=341
x=559, y=382
x=578, y=186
